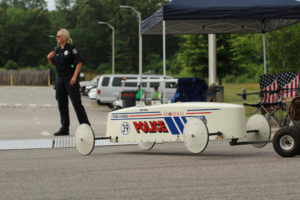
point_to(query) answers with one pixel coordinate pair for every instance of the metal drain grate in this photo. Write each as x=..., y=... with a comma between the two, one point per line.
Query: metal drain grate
x=49, y=143
x=26, y=144
x=64, y=142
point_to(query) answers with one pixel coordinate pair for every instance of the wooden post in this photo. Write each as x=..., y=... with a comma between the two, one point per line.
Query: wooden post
x=11, y=80
x=48, y=79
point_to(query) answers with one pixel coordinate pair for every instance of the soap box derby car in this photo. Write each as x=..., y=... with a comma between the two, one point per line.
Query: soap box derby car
x=194, y=123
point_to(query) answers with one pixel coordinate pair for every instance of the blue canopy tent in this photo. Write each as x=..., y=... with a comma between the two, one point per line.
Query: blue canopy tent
x=220, y=16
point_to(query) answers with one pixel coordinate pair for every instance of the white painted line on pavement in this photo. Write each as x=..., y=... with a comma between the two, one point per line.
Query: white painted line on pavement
x=3, y=105
x=45, y=133
x=47, y=106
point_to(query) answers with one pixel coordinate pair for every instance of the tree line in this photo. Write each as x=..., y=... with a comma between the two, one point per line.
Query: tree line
x=28, y=29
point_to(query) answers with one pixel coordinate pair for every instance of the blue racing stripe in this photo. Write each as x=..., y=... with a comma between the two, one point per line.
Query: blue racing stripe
x=179, y=123
x=184, y=119
x=172, y=126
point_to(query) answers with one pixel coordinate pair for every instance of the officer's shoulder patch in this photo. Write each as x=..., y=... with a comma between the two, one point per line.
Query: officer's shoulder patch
x=75, y=51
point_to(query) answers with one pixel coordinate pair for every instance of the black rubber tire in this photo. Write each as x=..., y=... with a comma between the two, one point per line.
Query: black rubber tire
x=284, y=133
x=297, y=130
x=83, y=90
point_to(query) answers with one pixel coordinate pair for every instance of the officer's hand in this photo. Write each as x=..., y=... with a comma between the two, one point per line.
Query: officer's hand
x=51, y=55
x=73, y=81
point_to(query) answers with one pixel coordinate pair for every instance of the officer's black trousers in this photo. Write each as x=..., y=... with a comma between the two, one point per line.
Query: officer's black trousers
x=63, y=90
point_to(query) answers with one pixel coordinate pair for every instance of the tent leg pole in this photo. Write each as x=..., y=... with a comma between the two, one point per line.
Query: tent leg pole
x=265, y=56
x=212, y=59
x=164, y=60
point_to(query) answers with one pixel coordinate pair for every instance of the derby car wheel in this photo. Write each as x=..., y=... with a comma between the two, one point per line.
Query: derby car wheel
x=260, y=123
x=84, y=139
x=195, y=135
x=286, y=142
x=146, y=145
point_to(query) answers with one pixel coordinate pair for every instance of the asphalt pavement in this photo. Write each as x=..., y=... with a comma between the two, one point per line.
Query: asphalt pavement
x=168, y=171
x=31, y=113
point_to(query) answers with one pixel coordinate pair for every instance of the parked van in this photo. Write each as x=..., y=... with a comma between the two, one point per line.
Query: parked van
x=110, y=86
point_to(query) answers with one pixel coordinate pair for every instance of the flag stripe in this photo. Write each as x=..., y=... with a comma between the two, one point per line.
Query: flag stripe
x=277, y=87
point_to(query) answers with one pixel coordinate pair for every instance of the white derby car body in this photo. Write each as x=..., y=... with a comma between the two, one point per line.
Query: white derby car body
x=167, y=122
x=195, y=123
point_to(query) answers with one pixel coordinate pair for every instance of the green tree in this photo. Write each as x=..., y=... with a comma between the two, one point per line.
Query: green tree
x=36, y=43
x=26, y=33
x=25, y=3
x=11, y=65
x=25, y=26
x=15, y=23
x=192, y=56
x=35, y=4
x=247, y=54
x=3, y=47
x=283, y=48
x=64, y=4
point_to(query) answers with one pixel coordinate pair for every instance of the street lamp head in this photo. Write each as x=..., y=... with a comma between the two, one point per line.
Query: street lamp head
x=110, y=26
x=113, y=44
x=132, y=8
x=121, y=6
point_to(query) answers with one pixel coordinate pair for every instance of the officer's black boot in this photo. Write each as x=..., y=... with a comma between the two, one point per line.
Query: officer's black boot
x=61, y=133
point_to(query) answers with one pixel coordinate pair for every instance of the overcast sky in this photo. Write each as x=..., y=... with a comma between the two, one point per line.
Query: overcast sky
x=51, y=4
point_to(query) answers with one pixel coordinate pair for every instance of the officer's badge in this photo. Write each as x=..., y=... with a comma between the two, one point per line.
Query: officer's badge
x=66, y=52
x=75, y=51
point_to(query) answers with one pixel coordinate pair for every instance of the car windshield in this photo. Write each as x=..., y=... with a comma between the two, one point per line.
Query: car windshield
x=95, y=80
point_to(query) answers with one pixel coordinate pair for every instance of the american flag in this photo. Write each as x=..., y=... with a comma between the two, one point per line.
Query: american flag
x=289, y=83
x=269, y=86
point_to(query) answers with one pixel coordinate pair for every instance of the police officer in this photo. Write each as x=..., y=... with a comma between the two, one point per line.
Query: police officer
x=68, y=63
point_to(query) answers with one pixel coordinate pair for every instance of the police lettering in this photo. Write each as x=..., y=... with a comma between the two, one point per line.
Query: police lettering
x=150, y=127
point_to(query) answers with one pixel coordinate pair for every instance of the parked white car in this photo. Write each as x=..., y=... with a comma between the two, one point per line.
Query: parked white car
x=86, y=86
x=93, y=93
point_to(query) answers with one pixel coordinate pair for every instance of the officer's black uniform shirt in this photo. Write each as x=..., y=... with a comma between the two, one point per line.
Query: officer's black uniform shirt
x=66, y=60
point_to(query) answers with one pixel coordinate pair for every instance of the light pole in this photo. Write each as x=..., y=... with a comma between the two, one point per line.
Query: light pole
x=51, y=76
x=113, y=45
x=53, y=36
x=140, y=39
